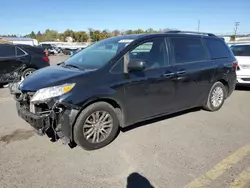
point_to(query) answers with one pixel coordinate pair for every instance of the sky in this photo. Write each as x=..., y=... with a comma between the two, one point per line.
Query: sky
x=217, y=16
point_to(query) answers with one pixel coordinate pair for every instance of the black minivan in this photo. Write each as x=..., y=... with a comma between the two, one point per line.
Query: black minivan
x=123, y=80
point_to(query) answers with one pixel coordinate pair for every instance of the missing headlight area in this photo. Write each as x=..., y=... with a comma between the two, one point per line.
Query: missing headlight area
x=50, y=118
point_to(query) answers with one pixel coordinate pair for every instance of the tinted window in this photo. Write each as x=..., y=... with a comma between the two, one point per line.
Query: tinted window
x=153, y=52
x=241, y=50
x=35, y=50
x=47, y=46
x=19, y=52
x=7, y=51
x=118, y=67
x=217, y=48
x=188, y=50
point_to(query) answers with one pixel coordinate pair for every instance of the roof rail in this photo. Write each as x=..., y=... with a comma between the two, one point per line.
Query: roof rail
x=190, y=32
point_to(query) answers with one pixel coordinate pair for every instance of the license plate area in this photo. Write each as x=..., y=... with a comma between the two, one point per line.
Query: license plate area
x=245, y=66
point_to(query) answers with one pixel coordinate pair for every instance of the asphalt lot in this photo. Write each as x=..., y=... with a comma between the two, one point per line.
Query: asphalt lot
x=192, y=149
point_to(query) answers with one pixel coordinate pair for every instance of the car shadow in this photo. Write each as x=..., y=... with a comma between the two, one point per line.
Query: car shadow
x=135, y=180
x=154, y=120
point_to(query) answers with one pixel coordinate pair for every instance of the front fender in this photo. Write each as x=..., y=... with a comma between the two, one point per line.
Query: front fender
x=72, y=112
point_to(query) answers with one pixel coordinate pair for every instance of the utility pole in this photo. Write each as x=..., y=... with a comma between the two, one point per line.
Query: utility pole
x=236, y=24
x=198, y=26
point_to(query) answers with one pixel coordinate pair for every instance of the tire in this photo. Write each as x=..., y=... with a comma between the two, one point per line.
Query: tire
x=78, y=129
x=2, y=85
x=210, y=105
x=27, y=72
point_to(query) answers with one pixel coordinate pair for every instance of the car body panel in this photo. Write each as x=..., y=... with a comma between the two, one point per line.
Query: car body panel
x=53, y=76
x=193, y=83
x=8, y=66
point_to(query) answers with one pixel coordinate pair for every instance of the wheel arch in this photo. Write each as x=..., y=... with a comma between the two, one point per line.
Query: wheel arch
x=225, y=83
x=117, y=106
x=113, y=102
x=28, y=67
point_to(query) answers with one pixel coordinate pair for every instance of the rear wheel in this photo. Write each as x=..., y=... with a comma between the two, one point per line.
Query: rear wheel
x=96, y=126
x=216, y=97
x=28, y=72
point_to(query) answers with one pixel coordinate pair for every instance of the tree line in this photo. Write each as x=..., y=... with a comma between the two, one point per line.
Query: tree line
x=92, y=35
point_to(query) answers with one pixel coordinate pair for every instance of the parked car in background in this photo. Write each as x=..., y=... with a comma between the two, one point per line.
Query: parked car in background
x=69, y=51
x=242, y=54
x=13, y=57
x=49, y=47
x=56, y=48
x=126, y=79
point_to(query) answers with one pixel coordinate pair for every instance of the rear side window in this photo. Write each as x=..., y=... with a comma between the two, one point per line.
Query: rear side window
x=217, y=48
x=188, y=50
x=35, y=50
x=19, y=52
x=241, y=50
x=7, y=51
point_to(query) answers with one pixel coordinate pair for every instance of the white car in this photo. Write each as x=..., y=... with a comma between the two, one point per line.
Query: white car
x=242, y=54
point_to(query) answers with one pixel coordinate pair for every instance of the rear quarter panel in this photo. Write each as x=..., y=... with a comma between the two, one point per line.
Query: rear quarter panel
x=37, y=62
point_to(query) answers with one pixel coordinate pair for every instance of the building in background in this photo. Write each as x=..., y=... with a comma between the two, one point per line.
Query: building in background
x=20, y=40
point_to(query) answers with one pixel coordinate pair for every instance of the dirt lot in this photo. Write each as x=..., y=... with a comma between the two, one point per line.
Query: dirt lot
x=192, y=149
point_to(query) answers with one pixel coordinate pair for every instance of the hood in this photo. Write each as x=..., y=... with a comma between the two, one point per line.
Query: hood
x=49, y=76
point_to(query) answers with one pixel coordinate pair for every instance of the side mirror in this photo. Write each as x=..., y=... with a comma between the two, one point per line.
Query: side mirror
x=136, y=65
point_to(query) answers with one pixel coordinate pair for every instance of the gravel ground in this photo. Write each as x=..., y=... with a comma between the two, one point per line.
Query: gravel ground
x=194, y=148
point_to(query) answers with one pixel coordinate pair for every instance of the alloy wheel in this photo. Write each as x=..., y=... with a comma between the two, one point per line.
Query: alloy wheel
x=97, y=126
x=217, y=96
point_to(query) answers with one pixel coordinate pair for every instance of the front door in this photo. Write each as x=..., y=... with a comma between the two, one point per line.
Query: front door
x=150, y=92
x=194, y=72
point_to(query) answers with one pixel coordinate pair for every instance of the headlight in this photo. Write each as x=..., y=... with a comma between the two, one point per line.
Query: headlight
x=50, y=92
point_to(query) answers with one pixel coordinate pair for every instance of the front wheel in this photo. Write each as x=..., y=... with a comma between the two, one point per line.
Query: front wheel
x=96, y=126
x=216, y=97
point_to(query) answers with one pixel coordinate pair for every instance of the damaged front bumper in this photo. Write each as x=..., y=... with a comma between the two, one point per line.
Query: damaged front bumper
x=56, y=121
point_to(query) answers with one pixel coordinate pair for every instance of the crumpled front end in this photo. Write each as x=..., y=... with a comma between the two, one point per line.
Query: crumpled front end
x=52, y=118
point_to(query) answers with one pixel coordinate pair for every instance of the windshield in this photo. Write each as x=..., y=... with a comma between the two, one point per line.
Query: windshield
x=241, y=50
x=98, y=54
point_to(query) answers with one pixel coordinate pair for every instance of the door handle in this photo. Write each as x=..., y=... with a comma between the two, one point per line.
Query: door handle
x=181, y=72
x=168, y=74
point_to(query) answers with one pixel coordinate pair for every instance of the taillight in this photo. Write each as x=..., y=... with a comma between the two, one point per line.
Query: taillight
x=45, y=58
x=235, y=64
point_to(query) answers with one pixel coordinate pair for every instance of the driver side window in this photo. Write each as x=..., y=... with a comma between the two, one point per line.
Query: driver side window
x=152, y=52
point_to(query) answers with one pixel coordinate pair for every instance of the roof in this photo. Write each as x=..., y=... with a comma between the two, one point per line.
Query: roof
x=16, y=38
x=137, y=36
